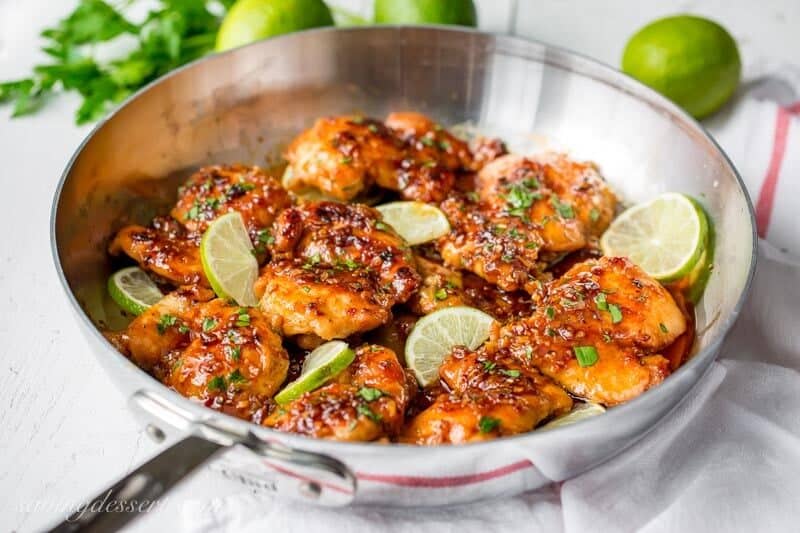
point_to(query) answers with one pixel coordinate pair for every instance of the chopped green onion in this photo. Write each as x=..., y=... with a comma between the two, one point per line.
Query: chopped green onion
x=616, y=313
x=487, y=424
x=586, y=355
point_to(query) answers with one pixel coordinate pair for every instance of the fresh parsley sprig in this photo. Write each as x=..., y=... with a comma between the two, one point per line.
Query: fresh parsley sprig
x=172, y=34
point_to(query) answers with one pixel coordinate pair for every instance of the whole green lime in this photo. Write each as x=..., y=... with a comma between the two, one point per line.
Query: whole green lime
x=691, y=60
x=457, y=12
x=250, y=20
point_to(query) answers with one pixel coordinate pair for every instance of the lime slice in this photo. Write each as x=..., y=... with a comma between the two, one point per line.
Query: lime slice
x=579, y=412
x=320, y=366
x=133, y=290
x=228, y=261
x=665, y=237
x=435, y=335
x=416, y=222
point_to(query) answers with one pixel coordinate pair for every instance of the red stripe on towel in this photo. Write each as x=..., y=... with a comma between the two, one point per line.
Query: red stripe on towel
x=449, y=481
x=766, y=197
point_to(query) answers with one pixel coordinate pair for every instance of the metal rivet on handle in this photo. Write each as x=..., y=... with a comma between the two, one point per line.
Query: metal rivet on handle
x=155, y=433
x=311, y=490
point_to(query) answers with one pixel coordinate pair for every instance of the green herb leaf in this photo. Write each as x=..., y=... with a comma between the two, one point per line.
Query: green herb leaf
x=370, y=393
x=165, y=322
x=586, y=355
x=663, y=328
x=440, y=294
x=209, y=324
x=616, y=313
x=511, y=373
x=217, y=383
x=551, y=312
x=487, y=424
x=563, y=209
x=363, y=410
x=600, y=301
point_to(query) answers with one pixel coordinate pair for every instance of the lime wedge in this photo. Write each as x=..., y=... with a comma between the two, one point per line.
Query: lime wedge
x=228, y=261
x=435, y=335
x=665, y=236
x=133, y=290
x=580, y=412
x=416, y=222
x=320, y=366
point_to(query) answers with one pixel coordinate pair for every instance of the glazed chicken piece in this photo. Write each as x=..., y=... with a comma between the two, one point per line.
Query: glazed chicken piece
x=170, y=246
x=336, y=270
x=445, y=287
x=165, y=248
x=608, y=307
x=216, y=190
x=491, y=395
x=501, y=249
x=343, y=157
x=367, y=401
x=209, y=350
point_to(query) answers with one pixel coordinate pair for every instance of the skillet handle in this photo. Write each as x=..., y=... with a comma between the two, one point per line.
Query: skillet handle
x=137, y=492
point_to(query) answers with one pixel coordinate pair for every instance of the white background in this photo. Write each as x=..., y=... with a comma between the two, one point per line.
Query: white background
x=66, y=431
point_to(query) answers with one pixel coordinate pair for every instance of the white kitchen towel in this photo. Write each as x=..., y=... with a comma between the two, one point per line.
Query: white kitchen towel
x=727, y=460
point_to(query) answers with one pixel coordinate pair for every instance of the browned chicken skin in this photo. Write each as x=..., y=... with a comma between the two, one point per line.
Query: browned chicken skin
x=216, y=190
x=344, y=156
x=365, y=402
x=165, y=248
x=210, y=350
x=491, y=395
x=170, y=247
x=336, y=270
x=611, y=306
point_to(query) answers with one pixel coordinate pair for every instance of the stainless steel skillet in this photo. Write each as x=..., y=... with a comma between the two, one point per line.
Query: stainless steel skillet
x=244, y=105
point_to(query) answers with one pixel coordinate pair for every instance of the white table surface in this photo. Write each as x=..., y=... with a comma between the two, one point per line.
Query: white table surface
x=66, y=429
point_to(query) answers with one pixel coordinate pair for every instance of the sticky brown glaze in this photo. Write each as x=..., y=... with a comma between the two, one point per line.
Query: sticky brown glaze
x=501, y=249
x=337, y=270
x=365, y=402
x=165, y=249
x=219, y=189
x=209, y=350
x=445, y=287
x=343, y=156
x=571, y=314
x=491, y=395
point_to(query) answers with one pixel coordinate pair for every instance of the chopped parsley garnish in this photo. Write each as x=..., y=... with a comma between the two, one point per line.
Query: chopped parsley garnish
x=616, y=313
x=242, y=318
x=165, y=322
x=209, y=324
x=194, y=212
x=586, y=355
x=265, y=238
x=507, y=258
x=427, y=141
x=510, y=373
x=663, y=328
x=370, y=393
x=347, y=263
x=487, y=424
x=551, y=312
x=550, y=332
x=600, y=301
x=236, y=377
x=440, y=294
x=594, y=214
x=217, y=383
x=531, y=245
x=312, y=261
x=563, y=209
x=519, y=199
x=234, y=352
x=606, y=337
x=489, y=365
x=363, y=410
x=183, y=328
